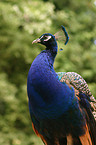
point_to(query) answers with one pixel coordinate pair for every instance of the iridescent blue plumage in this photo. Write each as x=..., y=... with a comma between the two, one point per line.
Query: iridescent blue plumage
x=66, y=34
x=56, y=113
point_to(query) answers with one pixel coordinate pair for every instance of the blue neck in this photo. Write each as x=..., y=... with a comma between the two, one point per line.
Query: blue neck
x=45, y=91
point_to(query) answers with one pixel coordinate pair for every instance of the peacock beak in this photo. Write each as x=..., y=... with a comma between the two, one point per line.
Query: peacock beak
x=36, y=41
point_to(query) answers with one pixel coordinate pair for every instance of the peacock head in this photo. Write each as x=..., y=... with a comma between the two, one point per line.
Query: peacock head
x=49, y=40
x=46, y=39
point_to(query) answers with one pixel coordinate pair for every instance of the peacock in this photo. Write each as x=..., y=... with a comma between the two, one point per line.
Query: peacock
x=61, y=106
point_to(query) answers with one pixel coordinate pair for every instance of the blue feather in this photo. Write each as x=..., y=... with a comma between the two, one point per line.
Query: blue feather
x=66, y=34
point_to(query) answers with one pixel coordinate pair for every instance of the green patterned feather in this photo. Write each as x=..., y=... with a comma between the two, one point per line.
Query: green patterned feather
x=79, y=84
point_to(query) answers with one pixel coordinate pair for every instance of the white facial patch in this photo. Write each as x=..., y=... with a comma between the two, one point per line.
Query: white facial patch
x=47, y=38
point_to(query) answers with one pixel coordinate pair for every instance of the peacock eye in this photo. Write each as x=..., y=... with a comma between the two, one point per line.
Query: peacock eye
x=46, y=38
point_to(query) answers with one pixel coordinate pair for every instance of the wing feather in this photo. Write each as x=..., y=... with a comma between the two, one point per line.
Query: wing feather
x=75, y=80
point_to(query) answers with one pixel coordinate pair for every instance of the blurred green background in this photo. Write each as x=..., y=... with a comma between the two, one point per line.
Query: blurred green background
x=22, y=21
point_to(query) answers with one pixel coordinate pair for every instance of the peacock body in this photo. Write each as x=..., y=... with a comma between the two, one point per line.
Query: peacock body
x=59, y=103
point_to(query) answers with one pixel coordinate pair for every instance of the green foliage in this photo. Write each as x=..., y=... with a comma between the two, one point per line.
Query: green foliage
x=22, y=21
